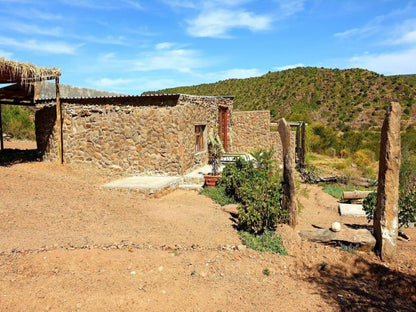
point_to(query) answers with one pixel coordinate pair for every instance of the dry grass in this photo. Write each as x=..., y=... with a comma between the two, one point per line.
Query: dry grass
x=12, y=71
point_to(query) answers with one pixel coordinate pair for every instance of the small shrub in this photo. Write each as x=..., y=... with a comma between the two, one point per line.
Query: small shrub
x=267, y=241
x=369, y=205
x=334, y=190
x=266, y=272
x=363, y=157
x=218, y=194
x=407, y=207
x=257, y=187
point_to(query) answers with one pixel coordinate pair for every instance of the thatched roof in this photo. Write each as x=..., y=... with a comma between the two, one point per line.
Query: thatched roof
x=23, y=73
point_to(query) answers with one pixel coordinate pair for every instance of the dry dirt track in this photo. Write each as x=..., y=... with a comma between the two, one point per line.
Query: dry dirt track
x=67, y=245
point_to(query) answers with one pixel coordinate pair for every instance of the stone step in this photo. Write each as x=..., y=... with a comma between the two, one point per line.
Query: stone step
x=194, y=179
x=191, y=186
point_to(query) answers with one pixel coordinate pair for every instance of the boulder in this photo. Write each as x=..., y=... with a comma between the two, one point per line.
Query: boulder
x=361, y=237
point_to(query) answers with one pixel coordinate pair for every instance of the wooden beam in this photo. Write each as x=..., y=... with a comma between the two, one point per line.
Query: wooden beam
x=17, y=102
x=302, y=135
x=1, y=131
x=59, y=122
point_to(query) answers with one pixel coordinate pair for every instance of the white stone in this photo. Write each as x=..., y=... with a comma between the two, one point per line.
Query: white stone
x=351, y=210
x=336, y=227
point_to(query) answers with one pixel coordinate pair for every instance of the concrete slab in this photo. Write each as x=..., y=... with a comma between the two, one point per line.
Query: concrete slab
x=160, y=185
x=351, y=210
x=197, y=176
x=145, y=183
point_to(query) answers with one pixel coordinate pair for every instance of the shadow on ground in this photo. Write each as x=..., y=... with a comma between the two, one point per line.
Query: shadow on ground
x=366, y=286
x=10, y=157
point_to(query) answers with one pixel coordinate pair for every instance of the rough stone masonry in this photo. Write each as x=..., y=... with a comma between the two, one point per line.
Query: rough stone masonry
x=386, y=216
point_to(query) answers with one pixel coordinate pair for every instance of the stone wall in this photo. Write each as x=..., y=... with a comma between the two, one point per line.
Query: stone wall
x=251, y=131
x=197, y=110
x=135, y=135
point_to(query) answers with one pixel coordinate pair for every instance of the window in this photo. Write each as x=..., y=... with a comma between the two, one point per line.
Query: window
x=199, y=138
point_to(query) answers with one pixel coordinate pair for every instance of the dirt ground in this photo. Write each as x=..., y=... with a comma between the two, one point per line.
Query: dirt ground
x=68, y=245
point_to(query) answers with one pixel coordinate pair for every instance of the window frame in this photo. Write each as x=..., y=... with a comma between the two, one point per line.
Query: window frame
x=200, y=140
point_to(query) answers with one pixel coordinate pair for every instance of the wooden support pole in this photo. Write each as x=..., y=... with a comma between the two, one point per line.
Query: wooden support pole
x=297, y=148
x=59, y=122
x=289, y=187
x=1, y=131
x=303, y=133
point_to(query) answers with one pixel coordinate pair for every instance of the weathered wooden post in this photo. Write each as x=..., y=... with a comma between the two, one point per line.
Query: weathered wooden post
x=1, y=132
x=289, y=192
x=386, y=216
x=59, y=122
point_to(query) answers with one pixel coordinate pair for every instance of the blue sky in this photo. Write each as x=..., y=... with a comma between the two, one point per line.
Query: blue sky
x=131, y=46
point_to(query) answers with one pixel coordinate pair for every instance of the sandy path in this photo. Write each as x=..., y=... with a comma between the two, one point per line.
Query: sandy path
x=70, y=246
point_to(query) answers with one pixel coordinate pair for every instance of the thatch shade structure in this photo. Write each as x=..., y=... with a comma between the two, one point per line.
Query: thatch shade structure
x=23, y=75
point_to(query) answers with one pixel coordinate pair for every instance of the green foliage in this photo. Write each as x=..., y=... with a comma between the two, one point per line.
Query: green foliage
x=218, y=194
x=266, y=272
x=323, y=266
x=314, y=94
x=336, y=189
x=256, y=185
x=267, y=241
x=18, y=121
x=407, y=192
x=214, y=153
x=369, y=205
x=407, y=207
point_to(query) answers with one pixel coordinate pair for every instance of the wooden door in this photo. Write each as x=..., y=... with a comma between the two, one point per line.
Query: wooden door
x=222, y=126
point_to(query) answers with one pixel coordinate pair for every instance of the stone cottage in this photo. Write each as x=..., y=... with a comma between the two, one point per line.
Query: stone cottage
x=149, y=134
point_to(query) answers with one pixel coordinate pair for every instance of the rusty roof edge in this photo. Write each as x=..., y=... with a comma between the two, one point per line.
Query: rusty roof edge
x=110, y=97
x=173, y=95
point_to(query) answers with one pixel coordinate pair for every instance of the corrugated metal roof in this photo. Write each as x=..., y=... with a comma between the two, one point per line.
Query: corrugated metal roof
x=125, y=97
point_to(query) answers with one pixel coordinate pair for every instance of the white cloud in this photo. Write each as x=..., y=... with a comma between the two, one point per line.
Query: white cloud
x=164, y=45
x=106, y=83
x=288, y=66
x=103, y=4
x=354, y=32
x=45, y=46
x=217, y=23
x=5, y=54
x=34, y=14
x=389, y=63
x=24, y=28
x=405, y=33
x=163, y=57
x=134, y=4
x=290, y=7
x=239, y=73
x=182, y=60
x=409, y=37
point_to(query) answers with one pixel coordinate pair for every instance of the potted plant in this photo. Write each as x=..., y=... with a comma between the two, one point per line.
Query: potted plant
x=214, y=159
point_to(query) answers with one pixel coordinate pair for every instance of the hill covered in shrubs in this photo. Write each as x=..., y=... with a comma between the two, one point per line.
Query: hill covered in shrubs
x=355, y=98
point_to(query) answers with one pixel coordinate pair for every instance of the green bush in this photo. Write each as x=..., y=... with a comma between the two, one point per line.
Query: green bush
x=18, y=121
x=407, y=207
x=257, y=186
x=218, y=194
x=369, y=205
x=267, y=241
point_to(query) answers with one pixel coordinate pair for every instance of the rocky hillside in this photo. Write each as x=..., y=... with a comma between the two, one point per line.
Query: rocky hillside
x=352, y=97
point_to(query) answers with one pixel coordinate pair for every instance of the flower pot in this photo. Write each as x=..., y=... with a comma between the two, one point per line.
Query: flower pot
x=211, y=180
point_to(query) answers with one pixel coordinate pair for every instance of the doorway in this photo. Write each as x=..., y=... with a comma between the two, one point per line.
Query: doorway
x=222, y=126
